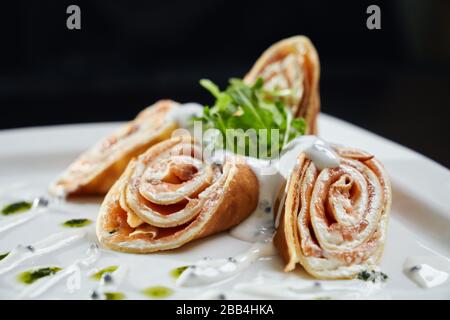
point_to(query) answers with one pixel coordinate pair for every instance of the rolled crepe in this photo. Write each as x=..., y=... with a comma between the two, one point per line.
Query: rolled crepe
x=334, y=220
x=292, y=64
x=169, y=196
x=96, y=170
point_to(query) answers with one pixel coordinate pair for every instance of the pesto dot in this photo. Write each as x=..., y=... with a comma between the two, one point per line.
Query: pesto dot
x=158, y=292
x=28, y=277
x=77, y=223
x=322, y=298
x=176, y=273
x=3, y=255
x=98, y=275
x=114, y=296
x=16, y=207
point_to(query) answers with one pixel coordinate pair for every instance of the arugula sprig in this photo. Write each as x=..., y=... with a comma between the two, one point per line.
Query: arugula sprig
x=245, y=107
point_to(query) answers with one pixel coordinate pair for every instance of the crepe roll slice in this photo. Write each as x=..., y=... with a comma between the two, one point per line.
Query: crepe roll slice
x=334, y=220
x=96, y=170
x=292, y=66
x=169, y=196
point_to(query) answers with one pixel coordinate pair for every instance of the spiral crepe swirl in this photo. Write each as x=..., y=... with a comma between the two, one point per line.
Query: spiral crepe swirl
x=292, y=64
x=169, y=196
x=96, y=170
x=334, y=220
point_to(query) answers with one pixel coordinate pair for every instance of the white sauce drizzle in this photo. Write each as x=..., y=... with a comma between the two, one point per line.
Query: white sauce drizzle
x=183, y=113
x=317, y=150
x=427, y=271
x=271, y=176
x=17, y=221
x=52, y=243
x=208, y=271
x=259, y=225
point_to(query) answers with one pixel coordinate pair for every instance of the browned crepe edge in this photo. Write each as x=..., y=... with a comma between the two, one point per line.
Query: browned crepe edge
x=281, y=49
x=238, y=200
x=100, y=183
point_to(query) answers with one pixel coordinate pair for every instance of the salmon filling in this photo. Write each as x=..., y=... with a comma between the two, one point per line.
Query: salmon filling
x=336, y=216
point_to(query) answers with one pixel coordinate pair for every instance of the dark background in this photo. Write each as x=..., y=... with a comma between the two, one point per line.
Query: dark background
x=394, y=81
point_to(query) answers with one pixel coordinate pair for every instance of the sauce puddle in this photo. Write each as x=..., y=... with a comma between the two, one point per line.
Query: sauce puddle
x=427, y=271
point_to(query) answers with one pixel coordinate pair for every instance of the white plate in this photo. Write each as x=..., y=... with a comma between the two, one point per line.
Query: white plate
x=30, y=158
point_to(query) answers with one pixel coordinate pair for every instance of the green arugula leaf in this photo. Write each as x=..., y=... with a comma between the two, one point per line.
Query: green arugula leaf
x=211, y=87
x=245, y=107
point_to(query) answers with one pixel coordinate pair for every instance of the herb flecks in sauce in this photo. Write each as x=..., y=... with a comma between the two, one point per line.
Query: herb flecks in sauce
x=28, y=277
x=158, y=292
x=3, y=256
x=16, y=207
x=98, y=275
x=114, y=296
x=374, y=276
x=415, y=268
x=176, y=273
x=77, y=223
